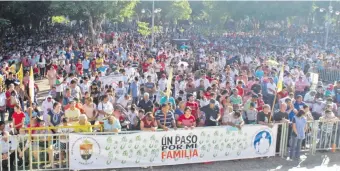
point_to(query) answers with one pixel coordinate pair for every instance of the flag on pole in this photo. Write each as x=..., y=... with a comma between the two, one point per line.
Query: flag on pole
x=31, y=85
x=168, y=86
x=20, y=74
x=280, y=82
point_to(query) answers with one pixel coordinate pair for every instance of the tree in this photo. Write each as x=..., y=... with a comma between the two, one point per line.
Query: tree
x=95, y=12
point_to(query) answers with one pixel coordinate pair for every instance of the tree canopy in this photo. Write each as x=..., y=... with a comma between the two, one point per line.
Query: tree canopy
x=215, y=14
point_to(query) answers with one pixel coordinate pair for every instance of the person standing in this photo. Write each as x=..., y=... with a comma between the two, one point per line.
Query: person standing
x=212, y=113
x=2, y=104
x=298, y=135
x=134, y=91
x=165, y=118
x=51, y=76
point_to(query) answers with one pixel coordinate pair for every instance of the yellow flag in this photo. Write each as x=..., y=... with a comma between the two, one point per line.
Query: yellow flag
x=280, y=82
x=31, y=85
x=20, y=74
x=168, y=86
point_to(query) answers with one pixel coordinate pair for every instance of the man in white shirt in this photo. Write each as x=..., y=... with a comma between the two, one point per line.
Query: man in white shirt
x=124, y=100
x=105, y=108
x=317, y=108
x=85, y=86
x=310, y=98
x=271, y=89
x=7, y=151
x=2, y=105
x=206, y=82
x=120, y=90
x=162, y=83
x=86, y=65
x=60, y=86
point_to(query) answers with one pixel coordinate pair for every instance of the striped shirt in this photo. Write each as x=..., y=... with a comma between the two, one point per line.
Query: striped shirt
x=168, y=118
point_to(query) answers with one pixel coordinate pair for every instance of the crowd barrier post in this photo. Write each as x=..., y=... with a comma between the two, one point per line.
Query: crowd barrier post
x=284, y=139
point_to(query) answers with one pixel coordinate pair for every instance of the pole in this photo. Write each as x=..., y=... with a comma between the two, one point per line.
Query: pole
x=272, y=112
x=30, y=134
x=153, y=23
x=327, y=25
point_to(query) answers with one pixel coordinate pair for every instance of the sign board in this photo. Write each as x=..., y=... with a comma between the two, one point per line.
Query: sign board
x=111, y=80
x=141, y=149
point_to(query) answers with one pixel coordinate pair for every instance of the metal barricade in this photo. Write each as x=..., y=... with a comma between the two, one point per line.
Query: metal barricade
x=329, y=75
x=327, y=136
x=50, y=151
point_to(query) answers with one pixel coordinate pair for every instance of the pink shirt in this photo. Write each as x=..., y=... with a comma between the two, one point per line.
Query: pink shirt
x=300, y=85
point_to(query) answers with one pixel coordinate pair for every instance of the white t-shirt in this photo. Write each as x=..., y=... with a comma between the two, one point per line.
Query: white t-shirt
x=120, y=91
x=162, y=84
x=3, y=99
x=271, y=86
x=124, y=102
x=85, y=87
x=106, y=107
x=60, y=87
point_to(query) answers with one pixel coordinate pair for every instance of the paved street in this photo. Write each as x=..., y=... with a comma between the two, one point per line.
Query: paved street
x=319, y=162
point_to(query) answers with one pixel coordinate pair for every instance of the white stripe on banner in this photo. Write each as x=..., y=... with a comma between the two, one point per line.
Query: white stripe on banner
x=170, y=148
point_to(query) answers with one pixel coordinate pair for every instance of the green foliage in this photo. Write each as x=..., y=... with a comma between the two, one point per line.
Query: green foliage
x=4, y=22
x=59, y=19
x=143, y=28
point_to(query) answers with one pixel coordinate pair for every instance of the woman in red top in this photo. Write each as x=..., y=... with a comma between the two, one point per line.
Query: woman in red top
x=18, y=118
x=186, y=120
x=148, y=123
x=79, y=67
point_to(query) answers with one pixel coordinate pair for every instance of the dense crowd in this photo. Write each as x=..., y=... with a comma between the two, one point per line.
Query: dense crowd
x=228, y=80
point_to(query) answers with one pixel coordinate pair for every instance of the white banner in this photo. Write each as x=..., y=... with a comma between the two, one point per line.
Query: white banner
x=171, y=148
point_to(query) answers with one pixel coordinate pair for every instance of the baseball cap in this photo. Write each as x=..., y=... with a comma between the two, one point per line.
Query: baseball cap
x=212, y=101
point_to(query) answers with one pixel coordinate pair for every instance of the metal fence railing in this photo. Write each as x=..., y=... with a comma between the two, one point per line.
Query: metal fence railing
x=329, y=75
x=51, y=151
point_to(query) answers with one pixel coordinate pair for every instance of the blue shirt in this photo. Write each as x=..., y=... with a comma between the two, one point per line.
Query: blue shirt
x=109, y=127
x=298, y=106
x=300, y=124
x=179, y=112
x=259, y=74
x=86, y=64
x=168, y=118
x=134, y=89
x=165, y=99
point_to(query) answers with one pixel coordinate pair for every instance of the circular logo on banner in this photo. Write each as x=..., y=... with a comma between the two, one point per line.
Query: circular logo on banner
x=85, y=150
x=262, y=142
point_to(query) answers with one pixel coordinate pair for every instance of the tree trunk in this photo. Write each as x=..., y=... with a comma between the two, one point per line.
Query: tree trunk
x=92, y=30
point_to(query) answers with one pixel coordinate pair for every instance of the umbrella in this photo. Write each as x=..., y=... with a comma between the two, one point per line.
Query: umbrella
x=272, y=63
x=183, y=63
x=184, y=47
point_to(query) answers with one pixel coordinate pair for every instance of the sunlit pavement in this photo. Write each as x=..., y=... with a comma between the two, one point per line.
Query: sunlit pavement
x=319, y=162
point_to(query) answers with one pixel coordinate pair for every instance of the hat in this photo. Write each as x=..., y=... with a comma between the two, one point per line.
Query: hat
x=49, y=97
x=319, y=99
x=212, y=101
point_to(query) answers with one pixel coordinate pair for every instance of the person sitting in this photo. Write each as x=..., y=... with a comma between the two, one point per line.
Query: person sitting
x=82, y=125
x=148, y=123
x=112, y=124
x=7, y=151
x=187, y=120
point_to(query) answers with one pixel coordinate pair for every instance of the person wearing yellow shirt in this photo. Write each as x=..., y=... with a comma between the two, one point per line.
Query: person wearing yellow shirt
x=82, y=125
x=72, y=113
x=99, y=62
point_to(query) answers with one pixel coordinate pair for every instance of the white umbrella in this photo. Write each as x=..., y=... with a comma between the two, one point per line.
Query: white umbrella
x=183, y=63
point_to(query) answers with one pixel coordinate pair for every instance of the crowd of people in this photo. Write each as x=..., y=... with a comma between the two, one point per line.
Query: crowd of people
x=228, y=80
